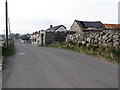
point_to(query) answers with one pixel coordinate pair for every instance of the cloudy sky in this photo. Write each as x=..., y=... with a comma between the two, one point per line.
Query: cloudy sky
x=27, y=16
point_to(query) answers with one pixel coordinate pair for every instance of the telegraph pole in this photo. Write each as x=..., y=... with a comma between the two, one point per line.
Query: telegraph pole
x=6, y=13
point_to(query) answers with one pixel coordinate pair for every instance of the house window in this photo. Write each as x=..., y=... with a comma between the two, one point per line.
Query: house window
x=35, y=40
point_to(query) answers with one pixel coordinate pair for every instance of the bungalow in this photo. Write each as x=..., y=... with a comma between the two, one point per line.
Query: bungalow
x=86, y=25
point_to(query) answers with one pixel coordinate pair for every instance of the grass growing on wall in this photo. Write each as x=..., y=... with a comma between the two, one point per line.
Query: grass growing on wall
x=109, y=54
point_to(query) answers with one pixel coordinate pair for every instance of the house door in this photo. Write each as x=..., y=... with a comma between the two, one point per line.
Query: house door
x=42, y=39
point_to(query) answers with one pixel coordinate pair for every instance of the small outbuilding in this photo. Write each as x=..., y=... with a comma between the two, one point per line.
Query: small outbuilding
x=86, y=25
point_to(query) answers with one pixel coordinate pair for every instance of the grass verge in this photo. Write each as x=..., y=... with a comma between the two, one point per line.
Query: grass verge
x=10, y=51
x=109, y=54
x=7, y=52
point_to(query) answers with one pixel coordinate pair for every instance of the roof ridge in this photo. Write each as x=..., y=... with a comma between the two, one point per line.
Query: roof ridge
x=86, y=21
x=56, y=27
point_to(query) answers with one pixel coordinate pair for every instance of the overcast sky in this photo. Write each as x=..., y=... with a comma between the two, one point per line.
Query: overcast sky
x=28, y=16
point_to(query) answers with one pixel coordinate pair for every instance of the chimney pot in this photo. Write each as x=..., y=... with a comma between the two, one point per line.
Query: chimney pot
x=51, y=26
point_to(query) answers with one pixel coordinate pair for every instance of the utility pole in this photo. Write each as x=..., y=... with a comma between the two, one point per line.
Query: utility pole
x=6, y=13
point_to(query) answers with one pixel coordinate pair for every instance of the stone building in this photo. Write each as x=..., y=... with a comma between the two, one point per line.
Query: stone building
x=80, y=26
x=95, y=34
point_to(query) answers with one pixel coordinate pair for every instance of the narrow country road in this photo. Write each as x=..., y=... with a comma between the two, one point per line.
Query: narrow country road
x=42, y=67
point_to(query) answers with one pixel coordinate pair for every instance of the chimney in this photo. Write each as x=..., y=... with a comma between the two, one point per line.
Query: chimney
x=51, y=26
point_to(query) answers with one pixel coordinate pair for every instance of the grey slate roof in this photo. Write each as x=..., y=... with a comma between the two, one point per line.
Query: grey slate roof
x=56, y=27
x=89, y=24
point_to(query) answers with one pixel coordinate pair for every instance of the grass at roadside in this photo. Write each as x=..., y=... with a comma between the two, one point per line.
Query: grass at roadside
x=109, y=54
x=10, y=51
x=6, y=53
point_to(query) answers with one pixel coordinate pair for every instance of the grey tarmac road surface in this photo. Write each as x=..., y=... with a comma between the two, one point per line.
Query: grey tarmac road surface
x=42, y=67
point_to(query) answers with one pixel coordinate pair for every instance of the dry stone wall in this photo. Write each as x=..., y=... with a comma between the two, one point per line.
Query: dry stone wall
x=105, y=38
